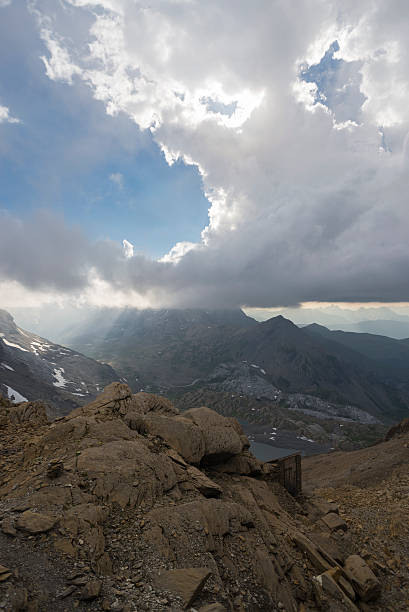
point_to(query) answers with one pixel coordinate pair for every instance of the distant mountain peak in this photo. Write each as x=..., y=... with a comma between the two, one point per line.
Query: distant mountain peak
x=278, y=322
x=316, y=327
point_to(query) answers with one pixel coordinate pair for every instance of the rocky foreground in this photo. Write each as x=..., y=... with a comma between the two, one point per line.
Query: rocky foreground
x=371, y=488
x=125, y=504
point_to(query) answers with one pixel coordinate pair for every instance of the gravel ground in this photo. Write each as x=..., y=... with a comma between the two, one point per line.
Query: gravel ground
x=378, y=525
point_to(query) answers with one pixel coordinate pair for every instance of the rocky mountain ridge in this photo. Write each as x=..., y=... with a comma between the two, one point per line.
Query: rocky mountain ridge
x=389, y=356
x=32, y=367
x=125, y=504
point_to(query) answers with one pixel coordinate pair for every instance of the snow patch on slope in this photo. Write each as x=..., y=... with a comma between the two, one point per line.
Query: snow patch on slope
x=17, y=346
x=38, y=346
x=15, y=396
x=58, y=375
x=22, y=332
x=5, y=365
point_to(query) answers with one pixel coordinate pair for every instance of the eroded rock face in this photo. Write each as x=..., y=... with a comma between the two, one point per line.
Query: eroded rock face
x=34, y=413
x=127, y=472
x=145, y=493
x=117, y=397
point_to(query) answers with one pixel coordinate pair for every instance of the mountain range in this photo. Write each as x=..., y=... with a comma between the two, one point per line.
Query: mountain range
x=322, y=373
x=169, y=349
x=381, y=320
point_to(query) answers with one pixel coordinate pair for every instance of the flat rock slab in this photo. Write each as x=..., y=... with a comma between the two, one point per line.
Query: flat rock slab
x=327, y=582
x=334, y=521
x=187, y=583
x=35, y=522
x=7, y=527
x=313, y=553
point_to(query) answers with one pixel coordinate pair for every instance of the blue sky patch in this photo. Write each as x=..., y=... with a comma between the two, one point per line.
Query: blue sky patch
x=64, y=153
x=338, y=84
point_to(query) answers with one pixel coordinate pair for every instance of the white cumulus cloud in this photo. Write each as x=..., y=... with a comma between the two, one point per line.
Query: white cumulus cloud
x=178, y=251
x=128, y=248
x=5, y=116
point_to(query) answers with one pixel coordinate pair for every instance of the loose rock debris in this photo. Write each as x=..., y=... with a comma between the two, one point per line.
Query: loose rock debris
x=155, y=510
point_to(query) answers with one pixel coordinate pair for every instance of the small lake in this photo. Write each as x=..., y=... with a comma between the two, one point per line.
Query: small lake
x=265, y=452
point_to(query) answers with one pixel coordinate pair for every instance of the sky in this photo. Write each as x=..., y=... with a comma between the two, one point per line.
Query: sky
x=219, y=154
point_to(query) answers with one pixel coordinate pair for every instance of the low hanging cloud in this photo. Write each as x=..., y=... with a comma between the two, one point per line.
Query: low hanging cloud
x=306, y=171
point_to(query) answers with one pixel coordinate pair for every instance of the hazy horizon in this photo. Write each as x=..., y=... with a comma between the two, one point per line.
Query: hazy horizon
x=52, y=321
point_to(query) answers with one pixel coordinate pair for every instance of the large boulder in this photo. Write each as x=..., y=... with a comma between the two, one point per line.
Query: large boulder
x=180, y=433
x=199, y=435
x=186, y=582
x=91, y=590
x=222, y=437
x=244, y=463
x=362, y=577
